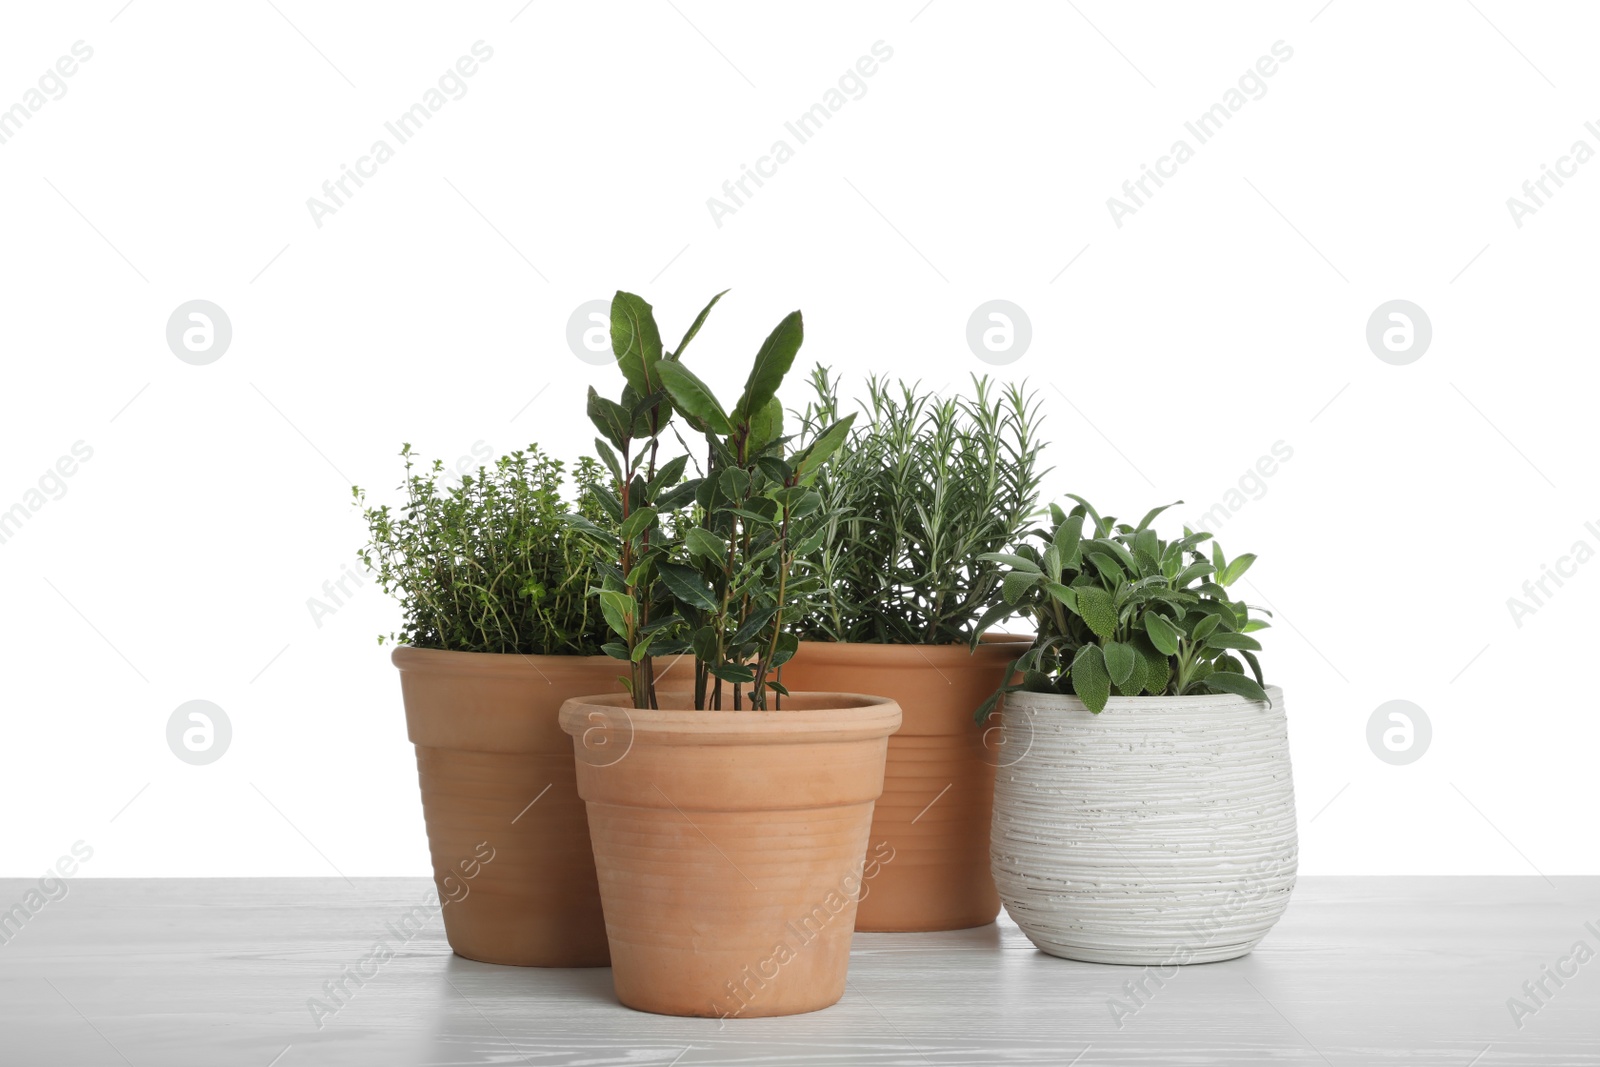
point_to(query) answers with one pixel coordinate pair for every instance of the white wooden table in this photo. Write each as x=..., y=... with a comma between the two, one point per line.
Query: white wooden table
x=1360, y=971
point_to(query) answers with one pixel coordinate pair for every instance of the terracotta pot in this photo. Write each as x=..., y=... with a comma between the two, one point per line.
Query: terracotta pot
x=1159, y=832
x=932, y=822
x=730, y=845
x=510, y=843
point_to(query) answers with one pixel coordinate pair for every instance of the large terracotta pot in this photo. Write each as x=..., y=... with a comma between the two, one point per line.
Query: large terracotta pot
x=931, y=826
x=510, y=843
x=1159, y=832
x=730, y=845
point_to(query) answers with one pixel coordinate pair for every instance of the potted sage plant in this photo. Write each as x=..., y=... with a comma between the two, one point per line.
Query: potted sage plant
x=497, y=630
x=1144, y=813
x=729, y=815
x=903, y=599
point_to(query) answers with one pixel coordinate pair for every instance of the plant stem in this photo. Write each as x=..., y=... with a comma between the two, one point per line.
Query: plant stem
x=758, y=698
x=648, y=662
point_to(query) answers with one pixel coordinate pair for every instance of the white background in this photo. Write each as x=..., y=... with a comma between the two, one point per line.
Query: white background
x=1227, y=314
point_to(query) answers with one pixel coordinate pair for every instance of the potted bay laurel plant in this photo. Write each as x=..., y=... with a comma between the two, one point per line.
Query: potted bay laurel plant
x=1145, y=811
x=902, y=595
x=729, y=815
x=497, y=631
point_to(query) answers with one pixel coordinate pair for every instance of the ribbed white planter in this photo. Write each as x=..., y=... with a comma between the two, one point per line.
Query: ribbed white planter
x=1161, y=831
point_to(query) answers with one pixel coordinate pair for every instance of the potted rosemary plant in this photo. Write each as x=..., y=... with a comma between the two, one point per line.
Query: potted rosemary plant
x=1146, y=812
x=903, y=595
x=497, y=630
x=729, y=816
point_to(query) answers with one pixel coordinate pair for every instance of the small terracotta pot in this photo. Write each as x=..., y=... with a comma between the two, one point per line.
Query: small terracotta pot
x=730, y=845
x=498, y=782
x=931, y=825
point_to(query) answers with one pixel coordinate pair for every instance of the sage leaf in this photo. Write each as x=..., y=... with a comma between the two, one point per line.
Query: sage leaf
x=1238, y=684
x=1090, y=680
x=1121, y=660
x=1163, y=634
x=1015, y=586
x=1095, y=608
x=1225, y=639
x=1236, y=568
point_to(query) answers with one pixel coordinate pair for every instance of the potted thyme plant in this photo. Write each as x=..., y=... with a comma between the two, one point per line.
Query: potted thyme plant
x=497, y=630
x=903, y=597
x=1147, y=813
x=729, y=816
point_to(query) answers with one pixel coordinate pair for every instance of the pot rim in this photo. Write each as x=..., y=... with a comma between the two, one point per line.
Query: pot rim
x=1191, y=701
x=843, y=717
x=445, y=660
x=994, y=650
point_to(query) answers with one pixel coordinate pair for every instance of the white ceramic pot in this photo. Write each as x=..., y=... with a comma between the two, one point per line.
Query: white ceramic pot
x=1159, y=832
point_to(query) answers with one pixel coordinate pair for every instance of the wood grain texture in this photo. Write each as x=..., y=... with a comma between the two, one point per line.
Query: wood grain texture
x=1160, y=831
x=166, y=973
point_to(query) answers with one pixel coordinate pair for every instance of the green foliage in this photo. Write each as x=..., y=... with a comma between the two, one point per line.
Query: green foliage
x=490, y=564
x=1120, y=610
x=702, y=565
x=915, y=504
